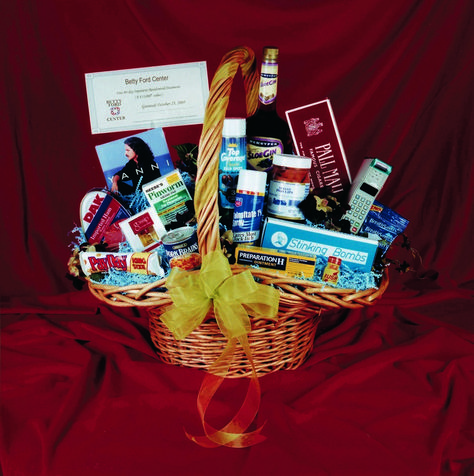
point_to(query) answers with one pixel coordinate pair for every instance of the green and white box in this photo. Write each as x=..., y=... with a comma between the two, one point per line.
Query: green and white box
x=168, y=195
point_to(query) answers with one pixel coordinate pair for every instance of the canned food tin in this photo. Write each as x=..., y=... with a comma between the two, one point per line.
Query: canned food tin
x=181, y=248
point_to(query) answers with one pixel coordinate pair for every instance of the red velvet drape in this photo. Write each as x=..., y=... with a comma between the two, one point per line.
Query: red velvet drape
x=399, y=77
x=388, y=390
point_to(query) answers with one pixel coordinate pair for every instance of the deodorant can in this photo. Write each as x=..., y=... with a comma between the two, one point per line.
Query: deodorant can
x=248, y=206
x=232, y=159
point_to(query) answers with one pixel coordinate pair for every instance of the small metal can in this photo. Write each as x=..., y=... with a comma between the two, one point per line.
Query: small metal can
x=181, y=248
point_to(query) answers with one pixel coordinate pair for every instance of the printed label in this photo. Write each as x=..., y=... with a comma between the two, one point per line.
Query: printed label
x=314, y=248
x=260, y=152
x=291, y=265
x=248, y=213
x=139, y=263
x=180, y=242
x=284, y=198
x=168, y=194
x=180, y=250
x=268, y=83
x=232, y=159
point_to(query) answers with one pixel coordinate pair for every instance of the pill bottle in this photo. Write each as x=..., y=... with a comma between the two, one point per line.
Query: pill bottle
x=232, y=159
x=289, y=186
x=248, y=206
x=331, y=271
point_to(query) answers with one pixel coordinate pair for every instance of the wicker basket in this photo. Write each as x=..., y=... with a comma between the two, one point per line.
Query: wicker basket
x=281, y=344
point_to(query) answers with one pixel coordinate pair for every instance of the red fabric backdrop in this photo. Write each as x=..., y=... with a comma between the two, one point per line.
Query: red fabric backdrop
x=388, y=390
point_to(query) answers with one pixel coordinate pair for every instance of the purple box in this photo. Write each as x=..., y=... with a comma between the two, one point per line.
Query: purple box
x=315, y=135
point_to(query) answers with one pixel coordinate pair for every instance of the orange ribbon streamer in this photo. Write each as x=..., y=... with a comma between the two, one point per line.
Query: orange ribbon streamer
x=233, y=297
x=234, y=433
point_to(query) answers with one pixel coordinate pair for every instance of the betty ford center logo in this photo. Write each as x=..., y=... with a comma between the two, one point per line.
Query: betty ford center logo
x=114, y=105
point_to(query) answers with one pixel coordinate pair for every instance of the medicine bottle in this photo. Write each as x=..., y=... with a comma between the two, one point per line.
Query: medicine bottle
x=267, y=132
x=248, y=206
x=331, y=272
x=289, y=186
x=232, y=159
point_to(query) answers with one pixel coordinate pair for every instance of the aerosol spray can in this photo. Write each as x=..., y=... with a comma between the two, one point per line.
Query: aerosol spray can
x=248, y=207
x=232, y=159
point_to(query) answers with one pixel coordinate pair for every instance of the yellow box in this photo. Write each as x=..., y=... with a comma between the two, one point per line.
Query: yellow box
x=284, y=263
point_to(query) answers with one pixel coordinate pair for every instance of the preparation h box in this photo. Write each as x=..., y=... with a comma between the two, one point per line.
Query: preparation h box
x=356, y=252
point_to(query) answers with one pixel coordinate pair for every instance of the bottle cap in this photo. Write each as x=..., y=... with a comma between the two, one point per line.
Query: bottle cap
x=234, y=127
x=252, y=181
x=293, y=161
x=334, y=260
x=270, y=53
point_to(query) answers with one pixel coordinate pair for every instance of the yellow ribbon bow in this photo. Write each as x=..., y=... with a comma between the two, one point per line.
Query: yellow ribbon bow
x=233, y=298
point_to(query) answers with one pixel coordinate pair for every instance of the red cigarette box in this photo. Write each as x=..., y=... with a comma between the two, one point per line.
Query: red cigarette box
x=315, y=135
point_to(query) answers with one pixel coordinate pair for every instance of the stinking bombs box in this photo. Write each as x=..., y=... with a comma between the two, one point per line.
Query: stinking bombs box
x=356, y=252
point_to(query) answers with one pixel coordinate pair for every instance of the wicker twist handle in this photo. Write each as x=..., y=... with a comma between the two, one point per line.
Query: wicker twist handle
x=206, y=192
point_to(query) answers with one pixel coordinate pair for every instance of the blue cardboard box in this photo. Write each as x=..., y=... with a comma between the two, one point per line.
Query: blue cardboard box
x=356, y=252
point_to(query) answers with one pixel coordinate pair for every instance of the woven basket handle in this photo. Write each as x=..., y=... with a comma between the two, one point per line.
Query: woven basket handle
x=206, y=192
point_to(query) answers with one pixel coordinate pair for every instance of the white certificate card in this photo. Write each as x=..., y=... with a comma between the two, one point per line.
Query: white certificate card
x=146, y=98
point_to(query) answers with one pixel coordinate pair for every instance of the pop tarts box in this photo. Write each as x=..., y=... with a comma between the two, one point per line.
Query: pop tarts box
x=316, y=136
x=356, y=252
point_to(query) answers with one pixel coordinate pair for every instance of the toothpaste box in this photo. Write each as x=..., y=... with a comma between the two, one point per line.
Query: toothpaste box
x=356, y=252
x=282, y=263
x=316, y=136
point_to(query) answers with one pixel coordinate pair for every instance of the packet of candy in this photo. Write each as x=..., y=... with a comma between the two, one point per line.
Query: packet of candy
x=385, y=223
x=101, y=262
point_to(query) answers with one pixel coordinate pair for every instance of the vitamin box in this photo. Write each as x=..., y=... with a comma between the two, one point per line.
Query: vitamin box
x=316, y=136
x=289, y=264
x=356, y=252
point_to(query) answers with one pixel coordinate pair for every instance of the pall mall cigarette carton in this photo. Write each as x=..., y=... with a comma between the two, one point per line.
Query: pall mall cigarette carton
x=316, y=136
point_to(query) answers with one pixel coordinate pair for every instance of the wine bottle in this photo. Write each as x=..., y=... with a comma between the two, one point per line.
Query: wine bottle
x=267, y=132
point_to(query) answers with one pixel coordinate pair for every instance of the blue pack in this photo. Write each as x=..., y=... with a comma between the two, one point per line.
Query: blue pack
x=385, y=223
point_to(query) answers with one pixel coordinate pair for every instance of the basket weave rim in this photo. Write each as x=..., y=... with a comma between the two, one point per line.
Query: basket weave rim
x=132, y=293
